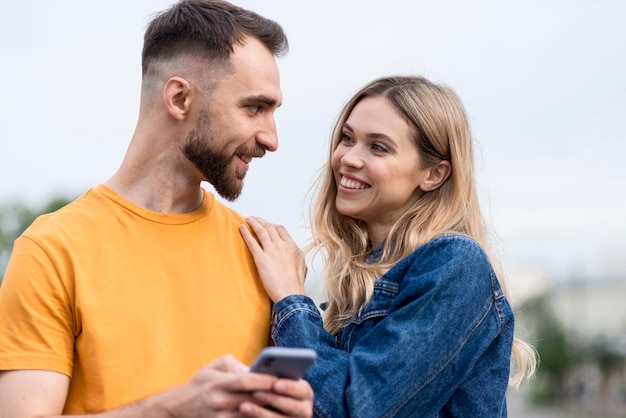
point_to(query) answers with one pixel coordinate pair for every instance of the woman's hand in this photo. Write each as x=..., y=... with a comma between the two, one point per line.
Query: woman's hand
x=278, y=258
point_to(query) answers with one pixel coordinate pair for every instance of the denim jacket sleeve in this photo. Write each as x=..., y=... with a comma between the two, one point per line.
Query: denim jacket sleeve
x=434, y=340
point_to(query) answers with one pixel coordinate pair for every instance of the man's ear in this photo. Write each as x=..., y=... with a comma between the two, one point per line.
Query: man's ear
x=438, y=174
x=177, y=97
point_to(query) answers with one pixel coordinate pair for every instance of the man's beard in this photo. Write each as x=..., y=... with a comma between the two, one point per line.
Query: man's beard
x=214, y=165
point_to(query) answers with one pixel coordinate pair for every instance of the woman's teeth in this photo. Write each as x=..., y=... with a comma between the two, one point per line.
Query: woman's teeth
x=352, y=184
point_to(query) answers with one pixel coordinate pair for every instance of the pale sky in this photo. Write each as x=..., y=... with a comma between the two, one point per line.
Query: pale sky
x=544, y=84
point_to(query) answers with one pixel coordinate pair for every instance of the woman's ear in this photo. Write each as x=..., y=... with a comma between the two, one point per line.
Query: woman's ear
x=177, y=97
x=438, y=174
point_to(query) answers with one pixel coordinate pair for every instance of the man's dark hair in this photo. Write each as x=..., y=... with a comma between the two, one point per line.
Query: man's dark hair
x=209, y=29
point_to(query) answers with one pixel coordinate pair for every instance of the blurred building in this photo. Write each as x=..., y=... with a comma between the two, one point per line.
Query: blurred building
x=591, y=309
x=584, y=350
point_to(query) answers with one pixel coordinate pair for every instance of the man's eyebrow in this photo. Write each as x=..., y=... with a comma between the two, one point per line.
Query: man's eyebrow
x=260, y=99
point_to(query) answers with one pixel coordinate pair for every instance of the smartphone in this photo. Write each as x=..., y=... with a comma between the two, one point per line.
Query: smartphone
x=284, y=362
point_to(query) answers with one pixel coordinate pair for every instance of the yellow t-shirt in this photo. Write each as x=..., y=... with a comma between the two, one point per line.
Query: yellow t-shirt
x=129, y=302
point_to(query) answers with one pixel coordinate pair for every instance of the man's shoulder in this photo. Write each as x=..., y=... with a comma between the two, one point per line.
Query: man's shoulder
x=221, y=209
x=84, y=209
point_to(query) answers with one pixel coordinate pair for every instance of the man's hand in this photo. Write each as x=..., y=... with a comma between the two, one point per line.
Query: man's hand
x=222, y=389
x=225, y=388
x=289, y=398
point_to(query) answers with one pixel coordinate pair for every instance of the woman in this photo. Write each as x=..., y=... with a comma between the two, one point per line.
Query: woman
x=417, y=322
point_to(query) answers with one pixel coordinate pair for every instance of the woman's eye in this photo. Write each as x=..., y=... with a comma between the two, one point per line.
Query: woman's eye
x=345, y=137
x=379, y=148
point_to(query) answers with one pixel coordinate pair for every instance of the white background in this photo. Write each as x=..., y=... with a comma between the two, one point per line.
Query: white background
x=544, y=84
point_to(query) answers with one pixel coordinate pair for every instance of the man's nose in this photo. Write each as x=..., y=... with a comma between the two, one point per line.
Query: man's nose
x=268, y=137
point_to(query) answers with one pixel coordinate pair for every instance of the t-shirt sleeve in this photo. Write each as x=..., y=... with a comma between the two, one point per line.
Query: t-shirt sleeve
x=37, y=329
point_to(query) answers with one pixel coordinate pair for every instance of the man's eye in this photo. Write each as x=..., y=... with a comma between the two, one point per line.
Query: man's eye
x=254, y=109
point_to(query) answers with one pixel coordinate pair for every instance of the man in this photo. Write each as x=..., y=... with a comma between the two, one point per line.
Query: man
x=115, y=304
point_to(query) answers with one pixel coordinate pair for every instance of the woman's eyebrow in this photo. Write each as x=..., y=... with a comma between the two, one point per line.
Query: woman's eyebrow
x=372, y=135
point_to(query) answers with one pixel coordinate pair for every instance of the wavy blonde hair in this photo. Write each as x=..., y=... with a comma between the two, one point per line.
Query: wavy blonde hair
x=441, y=131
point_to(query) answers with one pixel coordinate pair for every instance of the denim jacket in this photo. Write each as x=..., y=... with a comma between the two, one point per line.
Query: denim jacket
x=434, y=341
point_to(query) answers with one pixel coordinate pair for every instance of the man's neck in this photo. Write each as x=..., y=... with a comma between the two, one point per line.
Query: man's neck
x=157, y=195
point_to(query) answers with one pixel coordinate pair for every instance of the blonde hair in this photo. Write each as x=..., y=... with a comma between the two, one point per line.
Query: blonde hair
x=441, y=132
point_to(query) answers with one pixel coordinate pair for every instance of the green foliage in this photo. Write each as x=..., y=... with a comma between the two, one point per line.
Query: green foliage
x=15, y=217
x=574, y=370
x=609, y=361
x=556, y=351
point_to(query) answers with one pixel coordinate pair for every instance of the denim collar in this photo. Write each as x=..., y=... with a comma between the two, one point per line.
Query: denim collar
x=376, y=253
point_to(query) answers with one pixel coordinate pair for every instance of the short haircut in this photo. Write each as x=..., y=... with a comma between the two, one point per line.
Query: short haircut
x=208, y=29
